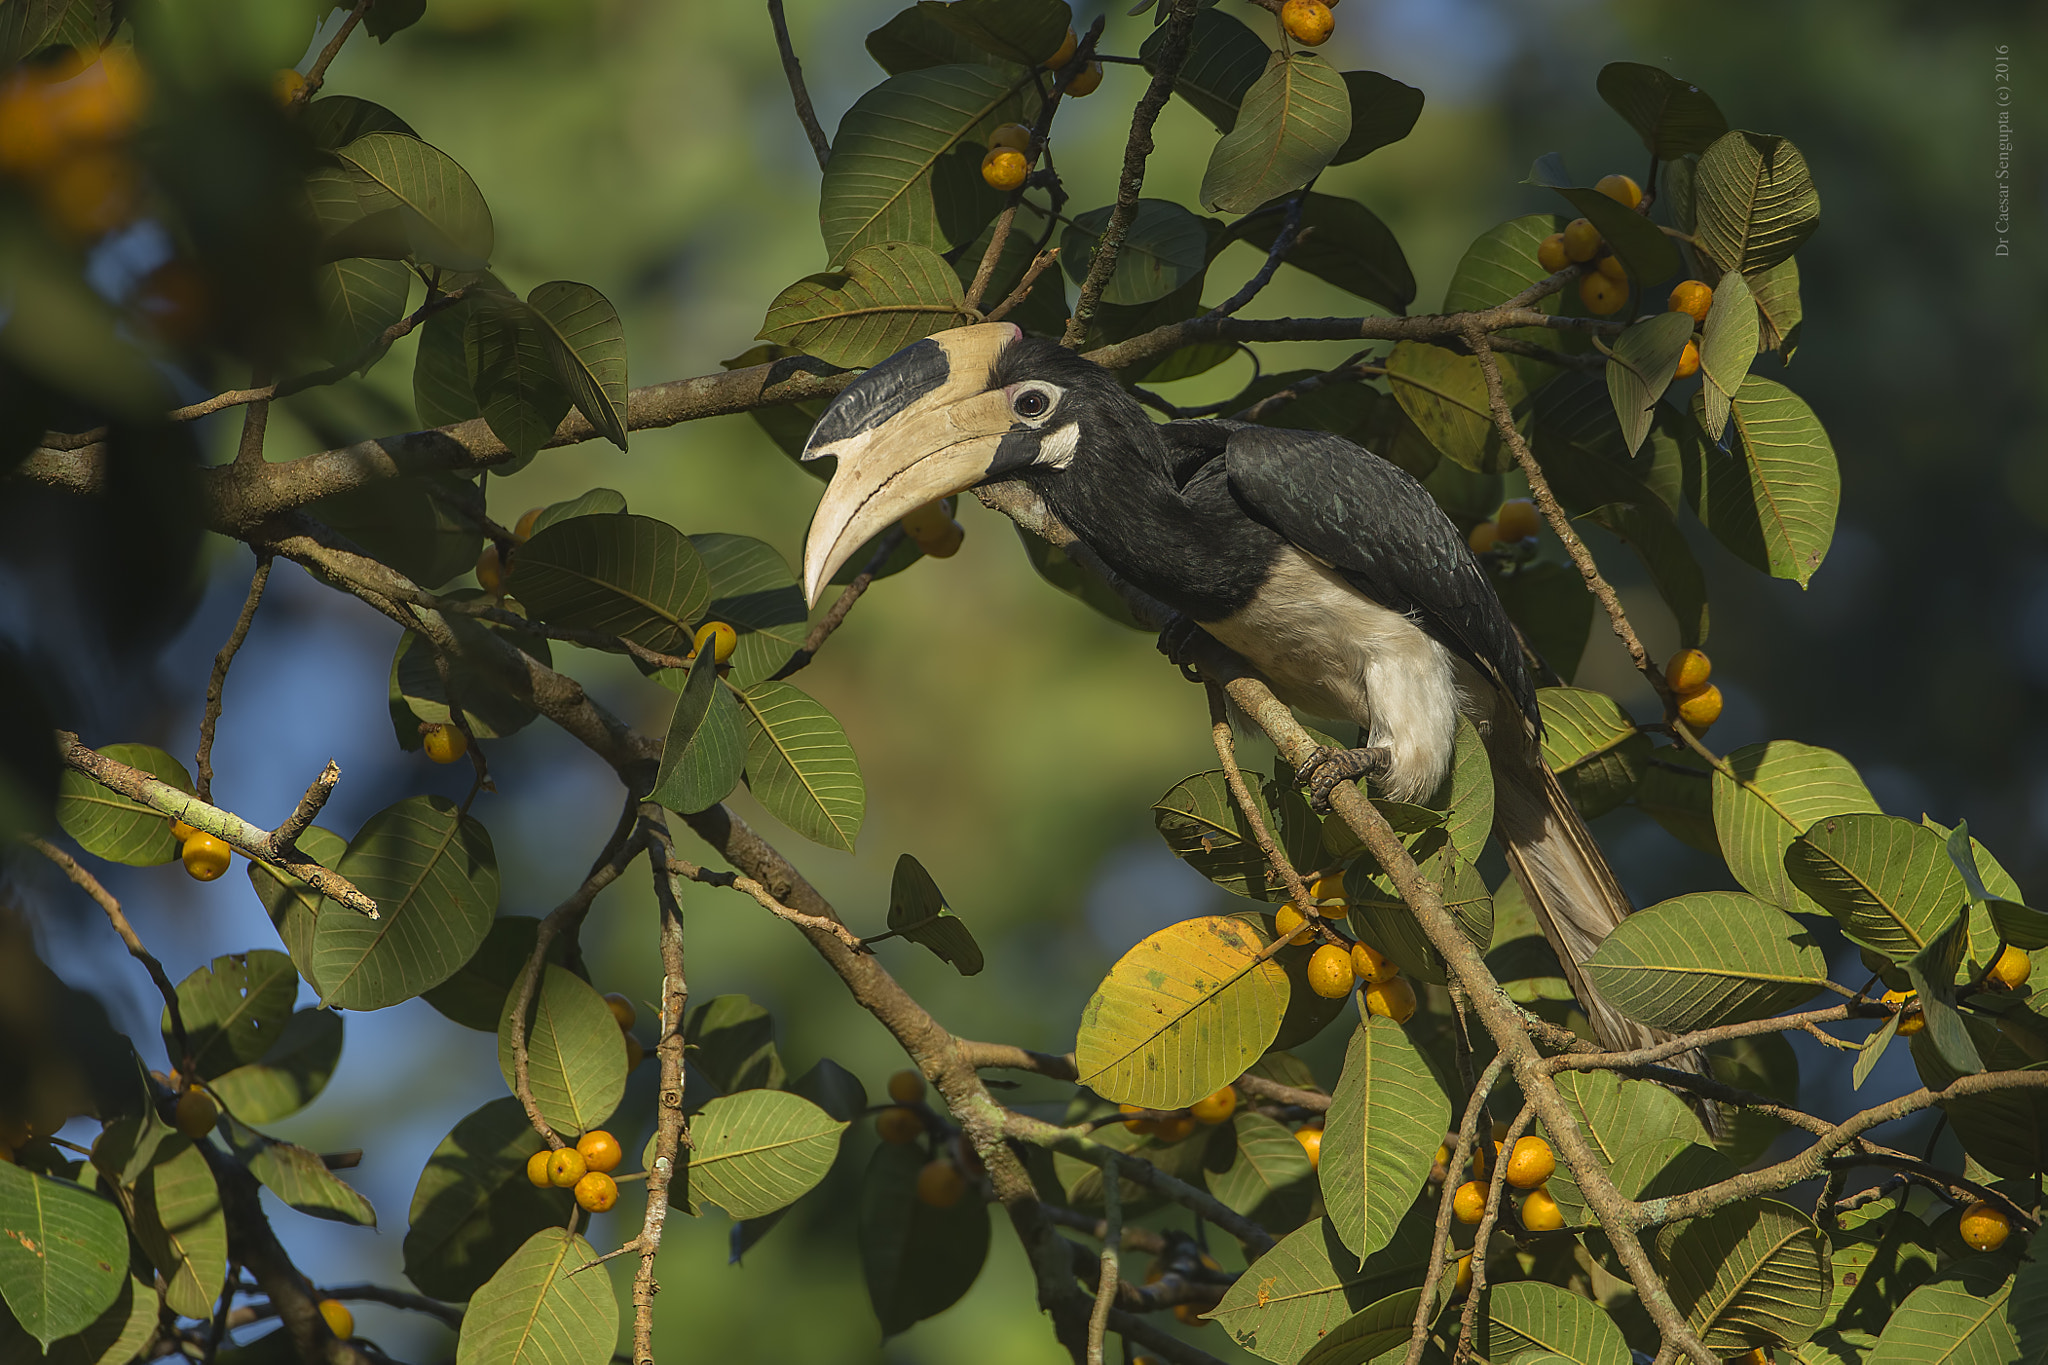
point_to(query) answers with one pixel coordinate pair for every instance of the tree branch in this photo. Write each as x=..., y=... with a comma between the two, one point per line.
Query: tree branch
x=1106, y=1275
x=1461, y=1152
x=794, y=70
x=103, y=898
x=217, y=684
x=263, y=846
x=668, y=1050
x=316, y=76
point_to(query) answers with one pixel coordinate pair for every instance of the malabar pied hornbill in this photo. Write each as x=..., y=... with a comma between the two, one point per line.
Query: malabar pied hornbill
x=1332, y=572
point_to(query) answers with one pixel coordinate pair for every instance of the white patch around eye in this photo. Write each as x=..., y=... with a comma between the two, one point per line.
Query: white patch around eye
x=1059, y=446
x=1051, y=393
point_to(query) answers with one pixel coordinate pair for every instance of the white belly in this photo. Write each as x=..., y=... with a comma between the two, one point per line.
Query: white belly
x=1329, y=651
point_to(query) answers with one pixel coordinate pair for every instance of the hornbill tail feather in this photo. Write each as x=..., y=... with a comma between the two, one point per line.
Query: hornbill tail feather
x=1577, y=900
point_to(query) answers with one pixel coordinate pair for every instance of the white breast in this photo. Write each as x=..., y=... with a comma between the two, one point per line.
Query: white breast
x=1330, y=651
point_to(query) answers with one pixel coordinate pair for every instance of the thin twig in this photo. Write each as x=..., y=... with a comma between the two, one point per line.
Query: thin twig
x=1290, y=233
x=217, y=684
x=316, y=75
x=258, y=844
x=286, y=835
x=1461, y=1152
x=1112, y=1240
x=1173, y=53
x=1352, y=369
x=90, y=884
x=1468, y=1320
x=669, y=1134
x=449, y=1313
x=1038, y=266
x=764, y=898
x=1276, y=857
x=836, y=615
x=984, y=272
x=793, y=69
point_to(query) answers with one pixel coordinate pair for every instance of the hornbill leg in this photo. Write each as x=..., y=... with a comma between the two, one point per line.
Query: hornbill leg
x=1325, y=768
x=1176, y=642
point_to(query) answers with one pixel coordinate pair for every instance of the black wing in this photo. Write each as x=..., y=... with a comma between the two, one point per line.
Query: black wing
x=1373, y=523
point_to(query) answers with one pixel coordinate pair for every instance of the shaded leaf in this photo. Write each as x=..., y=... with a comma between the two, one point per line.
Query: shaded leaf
x=919, y=1259
x=1385, y=1121
x=1772, y=498
x=292, y=905
x=179, y=1222
x=1707, y=959
x=2005, y=1130
x=1641, y=245
x=1267, y=1175
x=596, y=502
x=615, y=574
x=1292, y=121
x=1593, y=746
x=1374, y=1330
x=1641, y=367
x=1383, y=111
x=334, y=121
x=1671, y=116
x=1752, y=1272
x=489, y=708
x=434, y=877
x=356, y=300
x=473, y=1205
x=1182, y=1014
x=512, y=372
x=116, y=1337
x=1960, y=1317
x=703, y=755
x=233, y=1010
x=587, y=343
x=1164, y=248
x=442, y=392
x=447, y=220
x=475, y=996
x=1347, y=245
x=754, y=592
x=732, y=1041
x=1779, y=312
x=800, y=766
x=1224, y=59
x=1027, y=32
x=410, y=522
x=914, y=40
x=1202, y=824
x=1293, y=1296
x=299, y=1177
x=1549, y=604
x=575, y=1067
x=1529, y=1318
x=881, y=298
x=536, y=1310
x=918, y=911
x=290, y=1074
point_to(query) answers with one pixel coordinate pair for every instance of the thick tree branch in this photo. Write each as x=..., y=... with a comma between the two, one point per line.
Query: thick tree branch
x=263, y=846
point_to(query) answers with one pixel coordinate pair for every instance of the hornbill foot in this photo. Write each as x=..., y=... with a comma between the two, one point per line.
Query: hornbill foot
x=1176, y=643
x=1327, y=767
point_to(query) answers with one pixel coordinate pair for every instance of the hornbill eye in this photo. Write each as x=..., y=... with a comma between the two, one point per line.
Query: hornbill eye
x=1032, y=403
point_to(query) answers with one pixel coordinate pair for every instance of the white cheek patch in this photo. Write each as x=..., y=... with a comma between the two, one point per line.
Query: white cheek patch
x=1059, y=446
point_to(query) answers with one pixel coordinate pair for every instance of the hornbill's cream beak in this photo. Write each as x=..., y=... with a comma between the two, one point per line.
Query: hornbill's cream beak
x=922, y=425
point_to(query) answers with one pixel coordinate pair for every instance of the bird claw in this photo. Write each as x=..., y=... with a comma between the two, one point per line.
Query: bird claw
x=1327, y=767
x=1176, y=639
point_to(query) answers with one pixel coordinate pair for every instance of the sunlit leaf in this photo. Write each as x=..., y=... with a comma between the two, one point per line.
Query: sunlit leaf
x=1728, y=343
x=1770, y=795
x=1593, y=746
x=536, y=1310
x=919, y=1259
x=473, y=1205
x=113, y=827
x=1706, y=959
x=878, y=300
x=1754, y=1271
x=292, y=905
x=703, y=754
x=1888, y=880
x=1371, y=1332
x=233, y=1010
x=179, y=1222
x=1293, y=1296
x=1292, y=121
x=758, y=1151
x=1772, y=498
x=299, y=1177
x=1386, y=1119
x=1182, y=1014
x=1642, y=364
x=1529, y=1317
x=1963, y=1316
x=1756, y=201
x=63, y=1253
x=800, y=766
x=575, y=1067
x=754, y=592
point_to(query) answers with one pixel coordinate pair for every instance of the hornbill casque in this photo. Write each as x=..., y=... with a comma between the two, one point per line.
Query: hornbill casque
x=1329, y=570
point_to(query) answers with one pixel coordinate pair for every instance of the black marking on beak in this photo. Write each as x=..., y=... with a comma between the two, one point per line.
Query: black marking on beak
x=881, y=393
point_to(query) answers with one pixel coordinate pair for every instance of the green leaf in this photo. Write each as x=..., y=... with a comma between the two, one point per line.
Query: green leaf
x=290, y=1074
x=1292, y=1297
x=1182, y=1014
x=1752, y=1272
x=1347, y=245
x=474, y=1205
x=1755, y=201
x=1872, y=1051
x=537, y=1310
x=2016, y=923
x=1164, y=248
x=1888, y=880
x=1672, y=116
x=1677, y=791
x=1728, y=343
x=1765, y=1065
x=355, y=300
x=410, y=522
x=918, y=911
x=26, y=25
x=178, y=1221
x=1770, y=796
x=1549, y=604
x=880, y=299
x=587, y=343
x=617, y=575
x=1772, y=499
x=800, y=766
x=1961, y=1317
x=1779, y=311
x=489, y=707
x=1383, y=111
x=1292, y=122
x=115, y=1337
x=1933, y=974
x=758, y=1151
x=1386, y=1119
x=1027, y=32
x=113, y=827
x=597, y=502
x=703, y=755
x=1224, y=60
x=1529, y=1317
x=292, y=905
x=1640, y=368
x=63, y=1253
x=1383, y=919
x=731, y=1040
x=299, y=1177
x=1618, y=1116
x=1707, y=959
x=445, y=213
x=754, y=592
x=475, y=996
x=233, y=1010
x=1202, y=824
x=1648, y=254
x=919, y=1259
x=1593, y=746
x=334, y=121
x=906, y=163
x=512, y=373
x=913, y=40
x=574, y=1064
x=442, y=392
x=434, y=877
x=1268, y=1176
x=1375, y=1330
x=2005, y=1130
